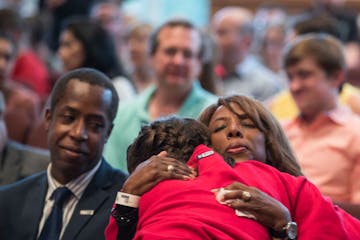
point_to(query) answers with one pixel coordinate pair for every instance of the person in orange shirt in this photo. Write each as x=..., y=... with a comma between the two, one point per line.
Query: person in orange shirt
x=324, y=135
x=282, y=105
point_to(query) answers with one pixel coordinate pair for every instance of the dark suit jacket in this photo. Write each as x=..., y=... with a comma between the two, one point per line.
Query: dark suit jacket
x=18, y=161
x=22, y=203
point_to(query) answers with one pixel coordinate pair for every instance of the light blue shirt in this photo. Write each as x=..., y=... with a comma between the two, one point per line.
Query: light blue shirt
x=133, y=114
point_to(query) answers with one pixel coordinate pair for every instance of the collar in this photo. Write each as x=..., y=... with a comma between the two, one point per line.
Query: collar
x=200, y=152
x=248, y=64
x=144, y=99
x=76, y=186
x=338, y=115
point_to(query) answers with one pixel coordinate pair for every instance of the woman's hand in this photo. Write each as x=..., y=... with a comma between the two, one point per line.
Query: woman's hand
x=155, y=169
x=268, y=211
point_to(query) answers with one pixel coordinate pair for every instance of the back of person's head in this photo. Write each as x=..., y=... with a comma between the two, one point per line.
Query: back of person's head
x=154, y=37
x=90, y=76
x=278, y=151
x=98, y=44
x=307, y=23
x=324, y=49
x=177, y=136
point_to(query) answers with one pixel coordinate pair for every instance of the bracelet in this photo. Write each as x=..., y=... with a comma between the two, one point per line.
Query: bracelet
x=127, y=199
x=124, y=219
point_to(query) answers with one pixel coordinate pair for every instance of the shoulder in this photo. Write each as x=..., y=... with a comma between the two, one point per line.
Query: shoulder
x=282, y=105
x=253, y=68
x=200, y=94
x=22, y=186
x=344, y=116
x=131, y=107
x=137, y=101
x=114, y=175
x=256, y=168
x=21, y=94
x=28, y=153
x=28, y=149
x=22, y=161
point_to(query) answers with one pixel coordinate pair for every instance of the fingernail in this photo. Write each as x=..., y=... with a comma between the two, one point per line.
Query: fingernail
x=214, y=190
x=185, y=177
x=229, y=202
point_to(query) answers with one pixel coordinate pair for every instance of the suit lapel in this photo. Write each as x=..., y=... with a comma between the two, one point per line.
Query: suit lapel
x=33, y=206
x=94, y=196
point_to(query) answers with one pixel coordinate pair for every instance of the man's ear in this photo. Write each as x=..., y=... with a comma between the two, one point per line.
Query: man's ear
x=47, y=119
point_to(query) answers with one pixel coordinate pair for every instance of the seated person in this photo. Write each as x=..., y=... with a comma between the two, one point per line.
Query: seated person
x=283, y=105
x=22, y=104
x=179, y=137
x=18, y=161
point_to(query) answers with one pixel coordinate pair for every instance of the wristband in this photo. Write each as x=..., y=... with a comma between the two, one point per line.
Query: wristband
x=127, y=199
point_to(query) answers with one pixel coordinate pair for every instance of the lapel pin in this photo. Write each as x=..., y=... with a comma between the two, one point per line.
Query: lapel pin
x=87, y=212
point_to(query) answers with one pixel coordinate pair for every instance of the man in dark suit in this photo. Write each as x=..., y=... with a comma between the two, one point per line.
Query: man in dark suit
x=78, y=122
x=18, y=161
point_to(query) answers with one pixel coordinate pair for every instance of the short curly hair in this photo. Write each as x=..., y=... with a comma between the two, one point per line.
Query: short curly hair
x=178, y=136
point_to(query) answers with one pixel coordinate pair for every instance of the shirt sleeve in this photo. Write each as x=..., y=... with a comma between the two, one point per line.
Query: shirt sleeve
x=316, y=215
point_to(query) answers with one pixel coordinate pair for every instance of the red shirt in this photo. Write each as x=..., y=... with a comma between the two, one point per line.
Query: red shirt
x=189, y=210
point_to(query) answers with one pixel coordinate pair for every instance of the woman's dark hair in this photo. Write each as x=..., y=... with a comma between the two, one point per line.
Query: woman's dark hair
x=177, y=136
x=98, y=44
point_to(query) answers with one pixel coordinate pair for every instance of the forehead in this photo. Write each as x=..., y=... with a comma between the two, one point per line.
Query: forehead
x=86, y=98
x=308, y=62
x=180, y=37
x=223, y=111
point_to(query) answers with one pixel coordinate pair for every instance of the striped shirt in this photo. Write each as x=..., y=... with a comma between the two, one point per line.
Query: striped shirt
x=76, y=186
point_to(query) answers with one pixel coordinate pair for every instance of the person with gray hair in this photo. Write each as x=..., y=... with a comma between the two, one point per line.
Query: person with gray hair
x=238, y=67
